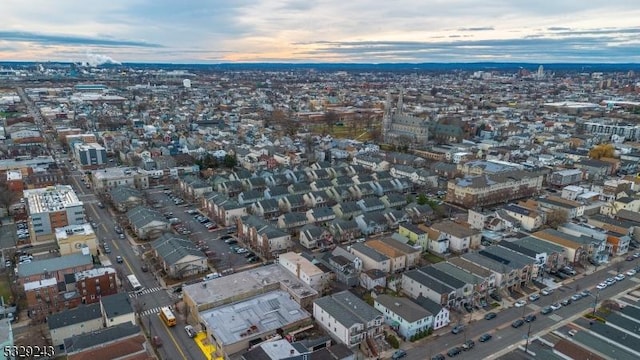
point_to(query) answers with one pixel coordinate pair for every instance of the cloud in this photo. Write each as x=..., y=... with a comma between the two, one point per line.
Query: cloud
x=482, y=28
x=52, y=39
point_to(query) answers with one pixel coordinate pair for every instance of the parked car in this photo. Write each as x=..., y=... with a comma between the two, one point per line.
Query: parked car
x=438, y=357
x=191, y=332
x=520, y=303
x=534, y=297
x=495, y=296
x=144, y=268
x=457, y=329
x=468, y=345
x=119, y=259
x=490, y=315
x=399, y=354
x=546, y=291
x=566, y=301
x=454, y=351
x=530, y=318
x=157, y=341
x=576, y=296
x=485, y=337
x=555, y=306
x=517, y=323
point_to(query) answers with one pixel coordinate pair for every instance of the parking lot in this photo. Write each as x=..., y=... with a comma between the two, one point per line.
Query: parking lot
x=218, y=243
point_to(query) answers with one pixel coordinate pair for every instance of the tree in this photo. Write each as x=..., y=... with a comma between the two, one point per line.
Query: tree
x=556, y=218
x=7, y=197
x=330, y=119
x=422, y=199
x=229, y=161
x=602, y=150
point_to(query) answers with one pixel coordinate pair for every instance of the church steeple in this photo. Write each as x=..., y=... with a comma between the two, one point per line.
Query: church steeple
x=400, y=103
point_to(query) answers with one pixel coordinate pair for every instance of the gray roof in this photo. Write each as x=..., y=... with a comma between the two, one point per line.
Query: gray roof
x=98, y=338
x=442, y=276
x=54, y=264
x=456, y=272
x=347, y=309
x=369, y=252
x=75, y=316
x=403, y=307
x=120, y=194
x=323, y=211
x=487, y=262
x=172, y=248
x=539, y=246
x=116, y=305
x=141, y=216
x=269, y=205
x=429, y=305
x=517, y=259
x=429, y=282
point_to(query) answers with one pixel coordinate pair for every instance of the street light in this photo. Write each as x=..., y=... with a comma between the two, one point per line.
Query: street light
x=526, y=345
x=595, y=303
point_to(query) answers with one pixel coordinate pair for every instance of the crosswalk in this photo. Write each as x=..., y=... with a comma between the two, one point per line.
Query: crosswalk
x=152, y=311
x=134, y=295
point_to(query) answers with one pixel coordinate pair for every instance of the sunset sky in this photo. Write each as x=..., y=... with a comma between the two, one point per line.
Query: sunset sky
x=213, y=31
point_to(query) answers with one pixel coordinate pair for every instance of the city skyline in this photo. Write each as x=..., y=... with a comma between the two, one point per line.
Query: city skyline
x=214, y=31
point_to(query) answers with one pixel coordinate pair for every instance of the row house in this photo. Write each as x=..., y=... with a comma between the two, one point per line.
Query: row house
x=371, y=204
x=419, y=213
x=363, y=178
x=599, y=236
x=277, y=180
x=403, y=315
x=395, y=218
x=371, y=163
x=461, y=238
x=342, y=181
x=248, y=197
x=344, y=230
x=292, y=221
x=480, y=285
x=56, y=267
x=387, y=186
x=402, y=256
x=276, y=192
x=415, y=284
x=299, y=188
x=348, y=318
x=230, y=188
x=488, y=277
x=222, y=209
x=573, y=209
x=320, y=174
x=507, y=276
x=490, y=189
x=549, y=256
x=577, y=249
x=347, y=210
x=341, y=193
x=295, y=176
x=317, y=198
x=359, y=191
x=528, y=219
x=194, y=187
x=315, y=237
x=394, y=200
x=255, y=183
x=321, y=184
x=320, y=215
x=619, y=225
x=292, y=203
x=262, y=237
x=371, y=258
x=266, y=209
x=372, y=223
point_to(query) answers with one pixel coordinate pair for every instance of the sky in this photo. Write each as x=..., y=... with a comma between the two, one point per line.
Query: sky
x=349, y=31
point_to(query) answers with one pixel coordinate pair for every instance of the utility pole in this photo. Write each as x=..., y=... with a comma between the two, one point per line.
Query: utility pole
x=526, y=346
x=595, y=304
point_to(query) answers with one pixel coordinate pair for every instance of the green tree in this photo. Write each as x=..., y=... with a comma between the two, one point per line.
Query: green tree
x=422, y=199
x=229, y=161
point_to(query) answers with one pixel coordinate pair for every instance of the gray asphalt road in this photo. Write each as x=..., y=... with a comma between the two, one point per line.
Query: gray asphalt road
x=504, y=336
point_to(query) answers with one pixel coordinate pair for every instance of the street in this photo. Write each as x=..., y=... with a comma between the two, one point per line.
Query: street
x=506, y=337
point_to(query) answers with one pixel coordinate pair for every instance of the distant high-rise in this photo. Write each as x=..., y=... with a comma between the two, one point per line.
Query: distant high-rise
x=540, y=73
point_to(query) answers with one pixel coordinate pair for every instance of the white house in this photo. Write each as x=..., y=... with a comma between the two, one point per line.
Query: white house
x=441, y=316
x=348, y=318
x=304, y=270
x=117, y=309
x=403, y=315
x=76, y=321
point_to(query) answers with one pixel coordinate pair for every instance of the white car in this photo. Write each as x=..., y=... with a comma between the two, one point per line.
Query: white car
x=520, y=303
x=601, y=286
x=619, y=277
x=546, y=292
x=555, y=306
x=631, y=272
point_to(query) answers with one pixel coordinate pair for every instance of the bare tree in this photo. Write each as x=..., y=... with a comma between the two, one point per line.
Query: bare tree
x=556, y=218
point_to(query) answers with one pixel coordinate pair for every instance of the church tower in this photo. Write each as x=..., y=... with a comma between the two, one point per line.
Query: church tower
x=400, y=103
x=386, y=118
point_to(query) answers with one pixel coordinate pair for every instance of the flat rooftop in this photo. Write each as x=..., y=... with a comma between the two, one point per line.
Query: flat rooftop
x=114, y=173
x=32, y=285
x=258, y=315
x=70, y=230
x=236, y=286
x=52, y=198
x=91, y=273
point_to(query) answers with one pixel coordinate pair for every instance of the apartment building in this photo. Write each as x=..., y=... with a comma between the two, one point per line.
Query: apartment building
x=105, y=179
x=73, y=238
x=90, y=155
x=304, y=270
x=52, y=207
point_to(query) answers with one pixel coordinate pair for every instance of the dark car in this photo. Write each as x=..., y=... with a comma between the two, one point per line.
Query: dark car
x=399, y=354
x=490, y=315
x=517, y=323
x=485, y=337
x=546, y=310
x=457, y=329
x=454, y=351
x=530, y=318
x=119, y=259
x=468, y=345
x=437, y=357
x=144, y=268
x=495, y=296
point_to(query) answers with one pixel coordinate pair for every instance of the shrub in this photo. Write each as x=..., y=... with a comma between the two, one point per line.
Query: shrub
x=393, y=341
